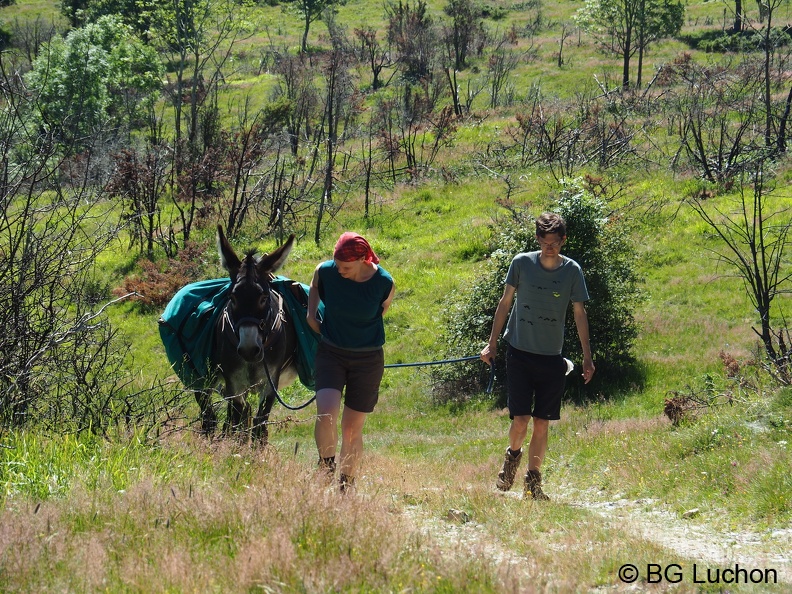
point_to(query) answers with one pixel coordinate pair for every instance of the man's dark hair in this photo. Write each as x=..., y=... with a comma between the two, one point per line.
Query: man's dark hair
x=548, y=223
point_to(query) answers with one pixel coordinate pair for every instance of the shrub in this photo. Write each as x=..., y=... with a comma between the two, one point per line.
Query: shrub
x=599, y=242
x=154, y=287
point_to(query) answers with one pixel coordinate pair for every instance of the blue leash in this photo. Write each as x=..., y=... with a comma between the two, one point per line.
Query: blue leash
x=423, y=363
x=392, y=366
x=444, y=361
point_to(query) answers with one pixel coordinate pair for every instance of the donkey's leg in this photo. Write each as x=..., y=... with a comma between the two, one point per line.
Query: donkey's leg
x=239, y=414
x=208, y=416
x=238, y=417
x=260, y=431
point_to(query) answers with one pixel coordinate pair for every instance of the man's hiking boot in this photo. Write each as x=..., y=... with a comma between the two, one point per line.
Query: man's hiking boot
x=509, y=470
x=533, y=485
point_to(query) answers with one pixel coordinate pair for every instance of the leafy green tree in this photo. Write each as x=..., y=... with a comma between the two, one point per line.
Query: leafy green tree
x=309, y=12
x=139, y=14
x=99, y=76
x=73, y=11
x=629, y=26
x=657, y=20
x=599, y=241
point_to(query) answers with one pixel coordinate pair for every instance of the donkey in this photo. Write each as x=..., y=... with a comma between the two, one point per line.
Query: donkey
x=255, y=344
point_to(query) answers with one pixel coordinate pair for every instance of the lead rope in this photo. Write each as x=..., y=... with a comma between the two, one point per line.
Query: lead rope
x=490, y=384
x=444, y=361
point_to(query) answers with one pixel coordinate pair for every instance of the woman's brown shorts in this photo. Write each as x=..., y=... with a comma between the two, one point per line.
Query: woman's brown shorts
x=359, y=371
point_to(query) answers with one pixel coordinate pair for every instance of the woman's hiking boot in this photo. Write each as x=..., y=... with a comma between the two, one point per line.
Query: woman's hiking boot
x=509, y=470
x=326, y=468
x=346, y=483
x=533, y=485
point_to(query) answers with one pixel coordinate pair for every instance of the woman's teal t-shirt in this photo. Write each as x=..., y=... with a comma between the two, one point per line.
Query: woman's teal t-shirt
x=352, y=310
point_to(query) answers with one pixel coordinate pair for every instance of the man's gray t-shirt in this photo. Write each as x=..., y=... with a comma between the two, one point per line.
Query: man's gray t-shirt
x=536, y=323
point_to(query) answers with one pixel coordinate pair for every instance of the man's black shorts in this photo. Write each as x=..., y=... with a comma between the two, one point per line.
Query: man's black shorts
x=535, y=384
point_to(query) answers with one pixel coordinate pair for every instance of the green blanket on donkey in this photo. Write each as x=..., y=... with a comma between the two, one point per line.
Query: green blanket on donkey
x=188, y=323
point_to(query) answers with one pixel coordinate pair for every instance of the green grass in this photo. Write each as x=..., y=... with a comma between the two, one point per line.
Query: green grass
x=183, y=509
x=46, y=10
x=185, y=512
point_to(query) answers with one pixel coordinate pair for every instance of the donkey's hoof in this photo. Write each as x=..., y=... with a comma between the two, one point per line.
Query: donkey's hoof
x=208, y=426
x=260, y=438
x=260, y=433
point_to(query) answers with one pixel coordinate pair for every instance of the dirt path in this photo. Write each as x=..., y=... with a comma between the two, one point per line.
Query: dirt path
x=457, y=533
x=688, y=537
x=691, y=538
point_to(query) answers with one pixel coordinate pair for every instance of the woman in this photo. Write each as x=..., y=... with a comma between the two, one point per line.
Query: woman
x=356, y=292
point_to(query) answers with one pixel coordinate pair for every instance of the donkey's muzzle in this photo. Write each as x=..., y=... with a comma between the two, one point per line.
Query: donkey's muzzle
x=250, y=347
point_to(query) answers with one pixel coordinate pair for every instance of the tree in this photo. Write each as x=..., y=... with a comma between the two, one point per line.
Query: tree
x=411, y=32
x=657, y=20
x=297, y=88
x=139, y=180
x=198, y=36
x=500, y=65
x=339, y=89
x=138, y=14
x=566, y=31
x=72, y=10
x=99, y=76
x=718, y=115
x=771, y=40
x=60, y=360
x=739, y=16
x=753, y=230
x=374, y=54
x=29, y=35
x=311, y=11
x=629, y=26
x=466, y=26
x=465, y=31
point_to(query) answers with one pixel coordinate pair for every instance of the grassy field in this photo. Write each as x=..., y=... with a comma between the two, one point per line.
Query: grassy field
x=181, y=513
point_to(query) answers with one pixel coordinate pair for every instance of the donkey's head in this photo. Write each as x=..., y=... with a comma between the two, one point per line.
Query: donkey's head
x=251, y=310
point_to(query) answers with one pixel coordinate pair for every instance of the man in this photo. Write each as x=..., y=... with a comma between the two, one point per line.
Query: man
x=544, y=282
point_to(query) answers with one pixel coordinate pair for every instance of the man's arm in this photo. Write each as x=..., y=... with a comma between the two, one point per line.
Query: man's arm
x=501, y=315
x=581, y=323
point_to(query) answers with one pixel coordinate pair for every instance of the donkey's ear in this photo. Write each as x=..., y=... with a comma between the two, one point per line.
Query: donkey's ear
x=228, y=257
x=271, y=262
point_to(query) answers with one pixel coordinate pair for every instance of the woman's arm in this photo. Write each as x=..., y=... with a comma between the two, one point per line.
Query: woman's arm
x=387, y=303
x=313, y=303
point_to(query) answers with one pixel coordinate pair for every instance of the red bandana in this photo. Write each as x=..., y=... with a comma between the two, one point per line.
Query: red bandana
x=351, y=246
